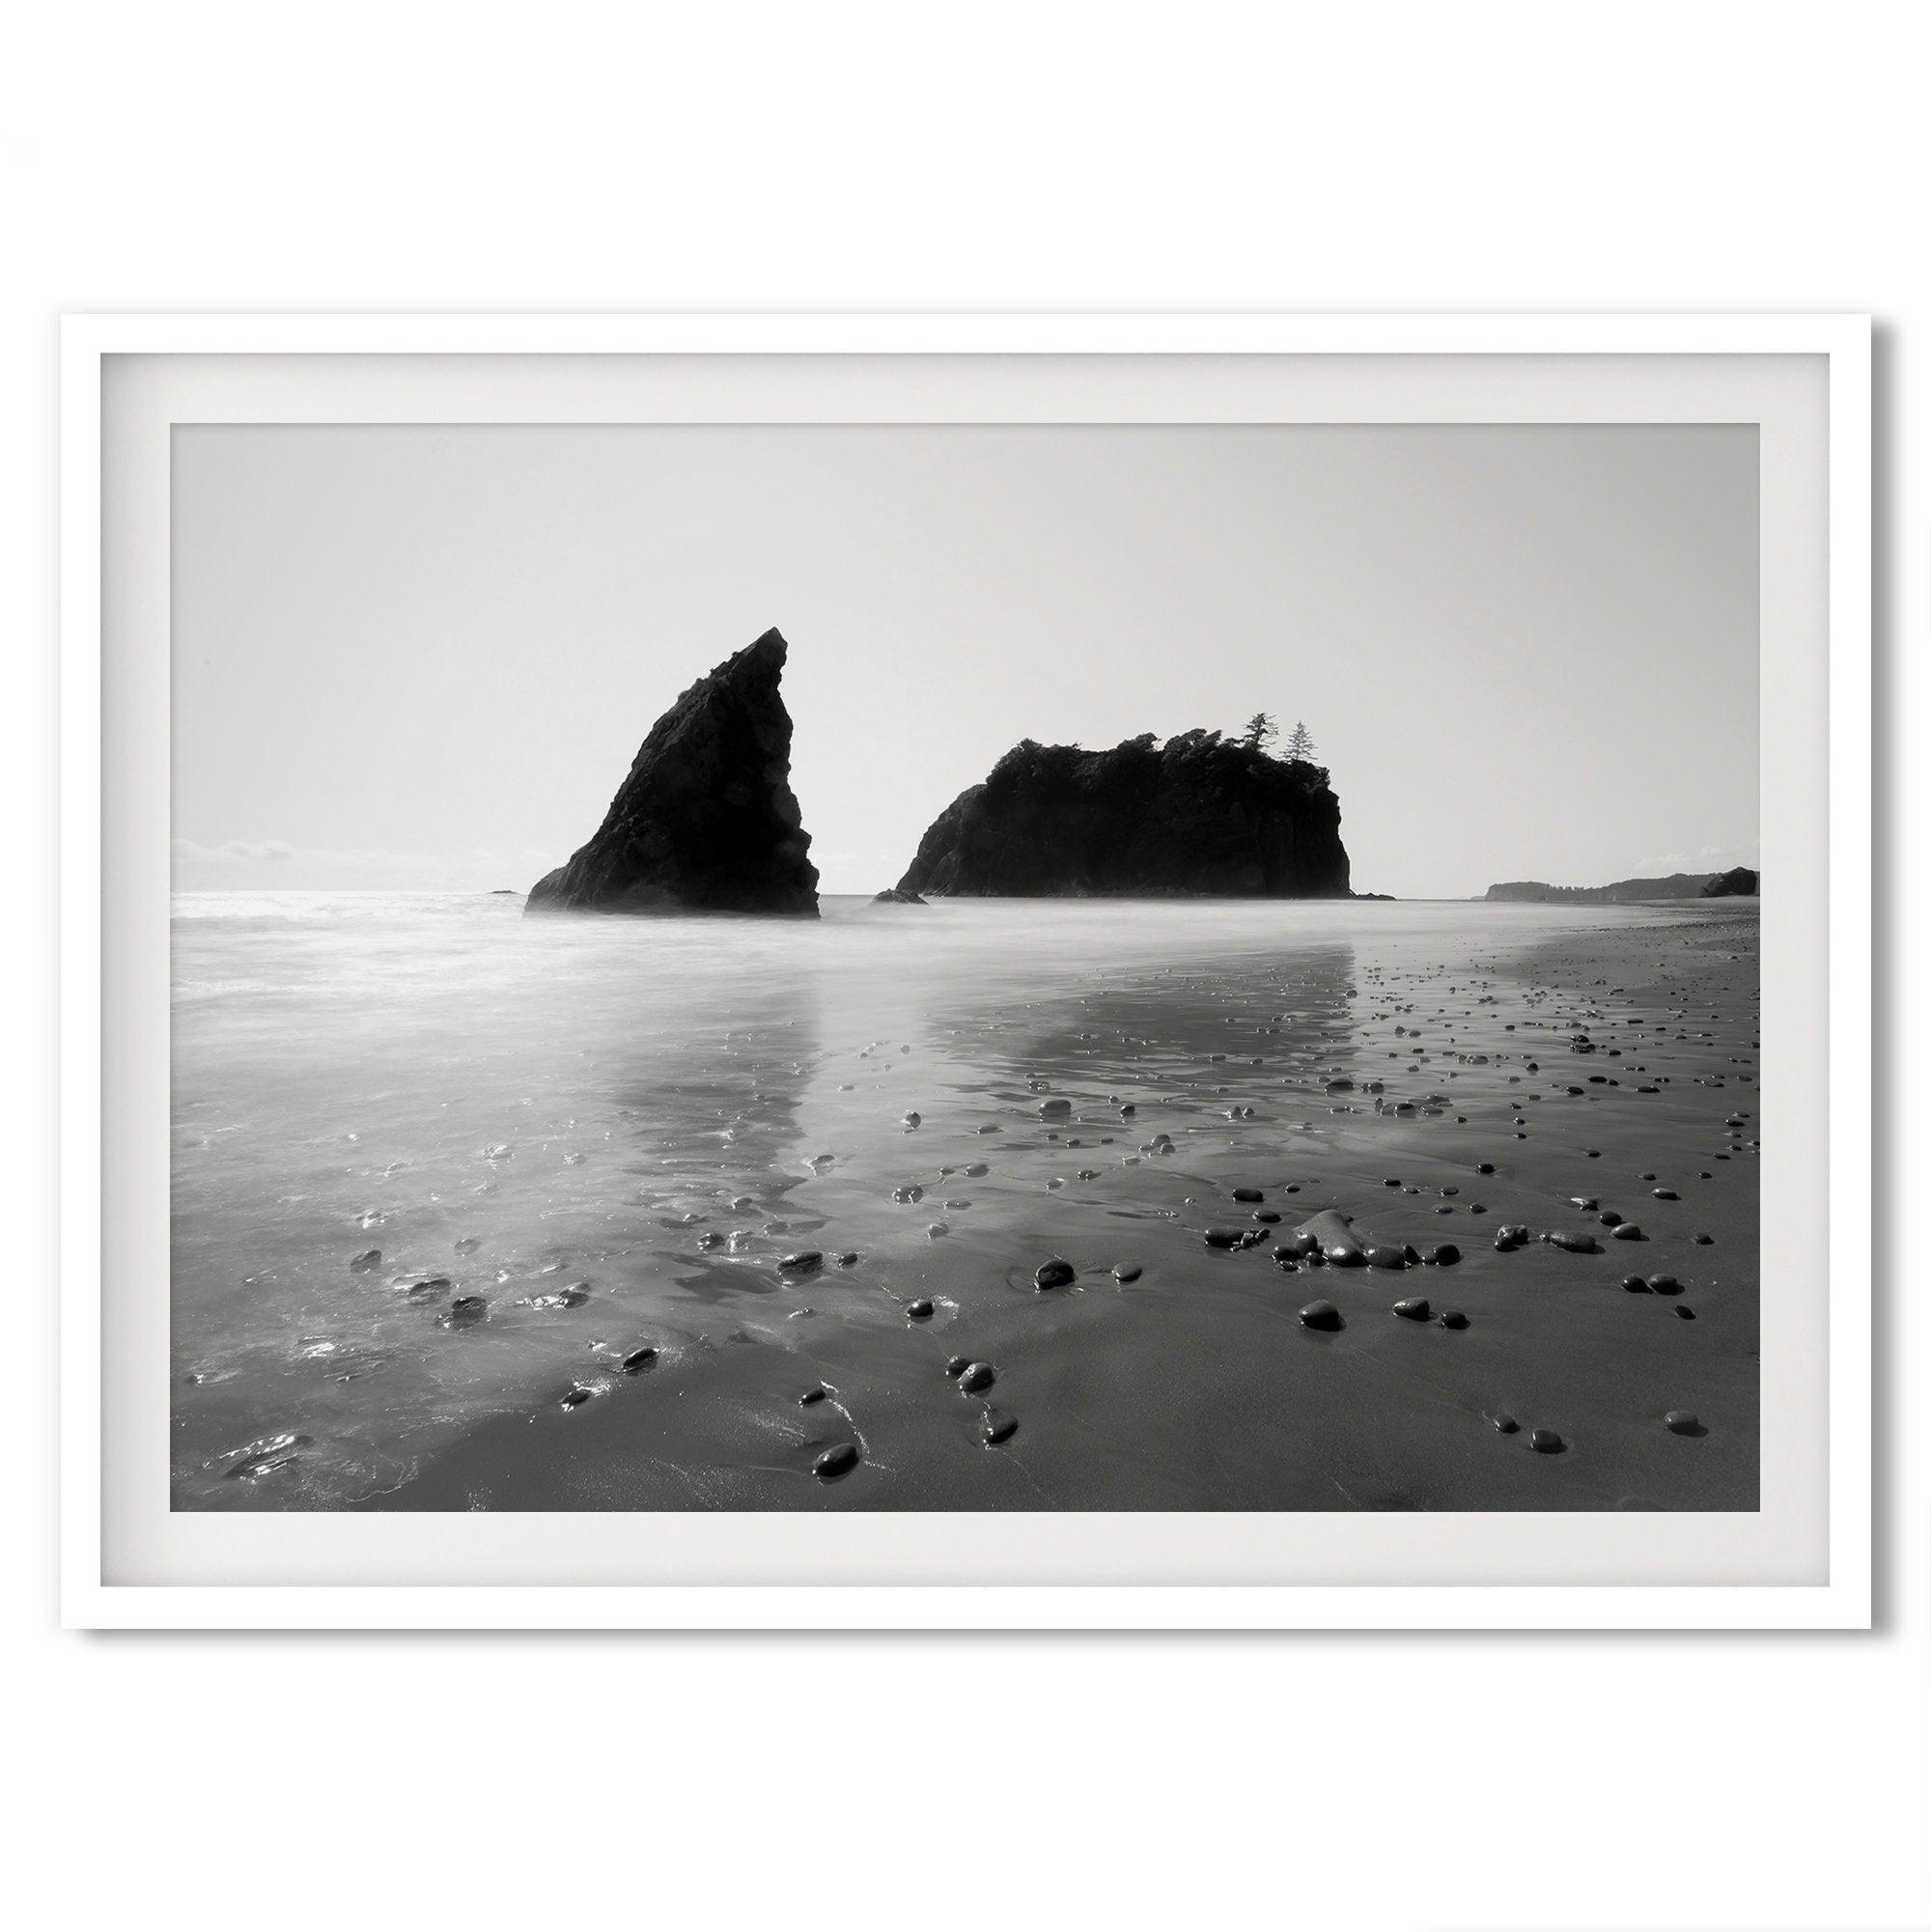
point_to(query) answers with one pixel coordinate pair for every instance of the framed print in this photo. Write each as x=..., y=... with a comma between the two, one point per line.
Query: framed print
x=1029, y=971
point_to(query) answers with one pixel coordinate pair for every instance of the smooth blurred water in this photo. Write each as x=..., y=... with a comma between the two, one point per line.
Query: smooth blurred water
x=573, y=1098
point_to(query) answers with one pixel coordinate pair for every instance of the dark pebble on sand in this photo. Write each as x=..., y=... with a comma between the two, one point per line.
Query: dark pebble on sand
x=576, y=1395
x=1685, y=1313
x=1505, y=1425
x=1635, y=1284
x=802, y=1262
x=1053, y=1274
x=1627, y=1231
x=370, y=1257
x=958, y=1367
x=465, y=1312
x=1226, y=1236
x=998, y=1427
x=1665, y=1284
x=1414, y=1309
x=1454, y=1318
x=639, y=1360
x=1321, y=1315
x=920, y=1310
x=1574, y=1244
x=975, y=1376
x=1248, y=1195
x=1378, y=1255
x=812, y=1396
x=1547, y=1441
x=1683, y=1422
x=1127, y=1271
x=1485, y=1167
x=840, y=1460
x=1445, y=1254
x=848, y=1259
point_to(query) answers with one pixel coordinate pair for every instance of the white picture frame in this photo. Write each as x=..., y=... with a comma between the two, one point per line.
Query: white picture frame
x=570, y=368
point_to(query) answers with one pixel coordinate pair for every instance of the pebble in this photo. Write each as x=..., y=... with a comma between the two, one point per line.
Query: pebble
x=370, y=1257
x=576, y=1395
x=1053, y=1274
x=1547, y=1441
x=1321, y=1315
x=1635, y=1284
x=958, y=1367
x=1414, y=1309
x=1445, y=1254
x=639, y=1360
x=1454, y=1318
x=1505, y=1425
x=1683, y=1422
x=1248, y=1195
x=802, y=1262
x=998, y=1427
x=921, y=1309
x=1379, y=1255
x=1510, y=1237
x=1665, y=1284
x=1574, y=1244
x=1054, y=1109
x=1626, y=1231
x=848, y=1258
x=465, y=1312
x=813, y=1396
x=975, y=1376
x=1127, y=1271
x=840, y=1460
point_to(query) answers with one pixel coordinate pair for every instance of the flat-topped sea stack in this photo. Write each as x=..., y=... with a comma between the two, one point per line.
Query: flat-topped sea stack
x=1200, y=816
x=705, y=821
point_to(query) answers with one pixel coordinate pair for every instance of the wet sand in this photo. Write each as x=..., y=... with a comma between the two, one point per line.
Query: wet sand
x=1607, y=1072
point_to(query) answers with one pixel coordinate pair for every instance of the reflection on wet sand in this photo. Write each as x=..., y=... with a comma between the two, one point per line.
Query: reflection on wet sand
x=1332, y=1224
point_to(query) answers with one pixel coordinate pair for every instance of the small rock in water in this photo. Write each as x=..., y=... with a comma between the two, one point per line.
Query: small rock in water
x=1055, y=1109
x=1321, y=1315
x=1445, y=1254
x=1505, y=1425
x=1683, y=1422
x=370, y=1257
x=1248, y=1195
x=998, y=1427
x=1635, y=1284
x=848, y=1258
x=1510, y=1238
x=975, y=1376
x=1627, y=1231
x=1665, y=1284
x=1379, y=1255
x=1226, y=1236
x=1684, y=1312
x=576, y=1395
x=936, y=1231
x=1571, y=1243
x=639, y=1360
x=802, y=1262
x=1454, y=1318
x=1547, y=1441
x=812, y=1397
x=840, y=1460
x=1053, y=1274
x=1414, y=1309
x=912, y=1120
x=921, y=1309
x=1665, y=1193
x=465, y=1312
x=1127, y=1271
x=469, y=1244
x=958, y=1367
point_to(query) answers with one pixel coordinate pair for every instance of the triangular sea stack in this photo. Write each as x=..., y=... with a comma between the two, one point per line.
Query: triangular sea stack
x=705, y=821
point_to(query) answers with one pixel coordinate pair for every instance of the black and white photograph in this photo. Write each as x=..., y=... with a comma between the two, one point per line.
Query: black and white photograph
x=956, y=967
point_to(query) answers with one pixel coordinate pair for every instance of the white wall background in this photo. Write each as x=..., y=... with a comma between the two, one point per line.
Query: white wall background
x=1033, y=155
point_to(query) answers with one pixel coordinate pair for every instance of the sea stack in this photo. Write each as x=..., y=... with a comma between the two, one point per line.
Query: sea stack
x=1197, y=816
x=705, y=821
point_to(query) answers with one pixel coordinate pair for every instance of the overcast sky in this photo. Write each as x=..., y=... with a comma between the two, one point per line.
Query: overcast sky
x=425, y=656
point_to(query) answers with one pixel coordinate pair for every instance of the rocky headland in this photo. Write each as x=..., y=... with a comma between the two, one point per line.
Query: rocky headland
x=1623, y=891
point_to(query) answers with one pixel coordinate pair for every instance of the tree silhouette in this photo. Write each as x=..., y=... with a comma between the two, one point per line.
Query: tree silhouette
x=1260, y=732
x=1301, y=745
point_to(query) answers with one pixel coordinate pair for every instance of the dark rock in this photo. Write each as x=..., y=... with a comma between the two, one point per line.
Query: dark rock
x=1683, y=1422
x=1635, y=1284
x=1446, y=1254
x=639, y=1360
x=840, y=1460
x=1665, y=1284
x=812, y=1397
x=1248, y=1195
x=361, y=1264
x=465, y=1312
x=896, y=895
x=1454, y=1318
x=576, y=1395
x=975, y=1376
x=1574, y=1244
x=1127, y=1271
x=803, y=1262
x=1053, y=1274
x=1739, y=883
x=1547, y=1441
x=1505, y=1425
x=1414, y=1309
x=998, y=1427
x=1197, y=816
x=1321, y=1315
x=920, y=1310
x=958, y=1367
x=1626, y=1231
x=706, y=821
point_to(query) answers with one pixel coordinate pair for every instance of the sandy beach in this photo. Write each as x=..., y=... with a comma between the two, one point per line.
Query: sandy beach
x=790, y=1262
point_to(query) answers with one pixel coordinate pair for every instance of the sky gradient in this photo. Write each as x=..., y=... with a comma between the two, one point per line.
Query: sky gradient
x=424, y=657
